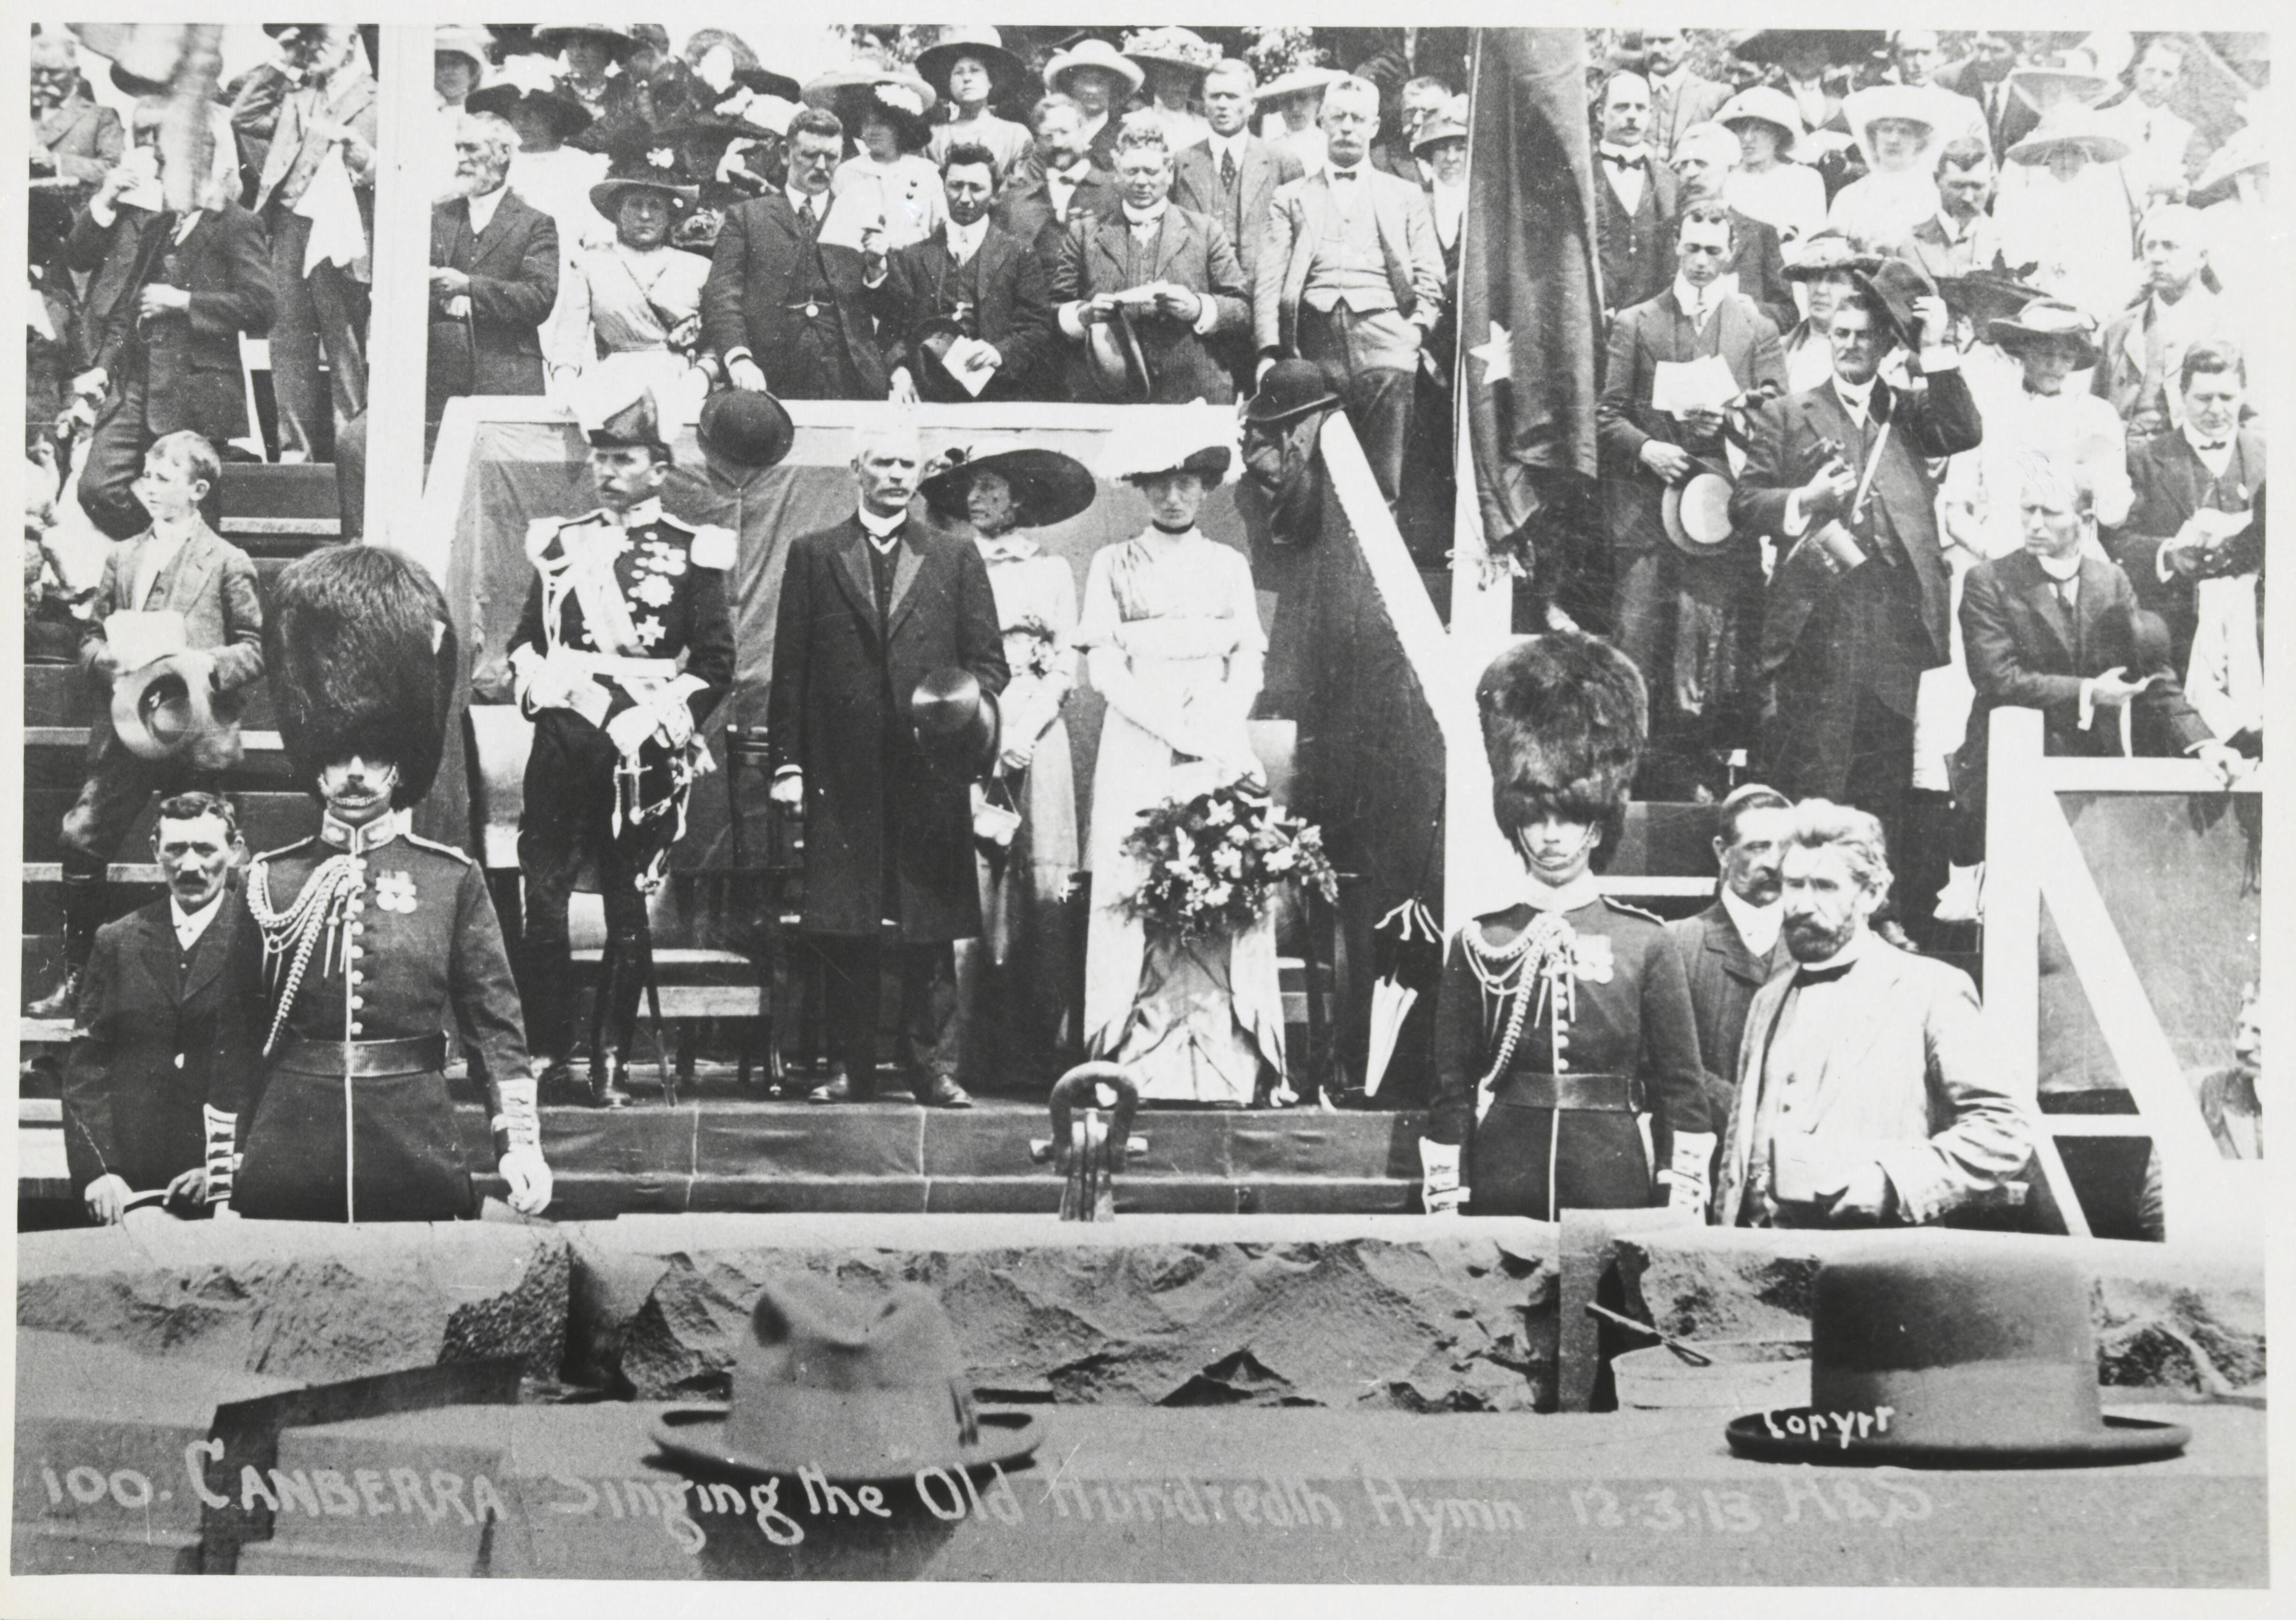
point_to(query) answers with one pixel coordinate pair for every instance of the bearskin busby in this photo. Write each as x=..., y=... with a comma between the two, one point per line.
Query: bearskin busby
x=1565, y=716
x=363, y=660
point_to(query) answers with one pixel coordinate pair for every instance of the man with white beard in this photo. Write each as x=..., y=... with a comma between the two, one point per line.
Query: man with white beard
x=494, y=274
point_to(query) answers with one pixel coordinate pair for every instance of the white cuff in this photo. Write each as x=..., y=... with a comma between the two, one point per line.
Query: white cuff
x=2087, y=702
x=1071, y=321
x=1795, y=523
x=739, y=351
x=1207, y=312
x=103, y=213
x=787, y=771
x=2161, y=568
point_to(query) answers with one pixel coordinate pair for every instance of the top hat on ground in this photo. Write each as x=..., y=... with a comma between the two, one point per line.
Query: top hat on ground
x=2047, y=320
x=1006, y=72
x=1564, y=718
x=1047, y=486
x=1092, y=52
x=1962, y=1350
x=747, y=428
x=557, y=37
x=1895, y=285
x=1183, y=49
x=956, y=723
x=167, y=708
x=860, y=1393
x=531, y=81
x=1289, y=391
x=1763, y=104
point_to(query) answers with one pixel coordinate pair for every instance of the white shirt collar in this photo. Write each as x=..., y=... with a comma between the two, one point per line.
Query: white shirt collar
x=798, y=201
x=1857, y=396
x=964, y=239
x=2060, y=568
x=483, y=207
x=1612, y=148
x=2216, y=460
x=191, y=924
x=1756, y=926
x=1955, y=233
x=1144, y=217
x=1229, y=146
x=883, y=530
x=1699, y=303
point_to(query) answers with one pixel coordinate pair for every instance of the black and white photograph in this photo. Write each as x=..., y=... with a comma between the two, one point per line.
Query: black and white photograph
x=1290, y=804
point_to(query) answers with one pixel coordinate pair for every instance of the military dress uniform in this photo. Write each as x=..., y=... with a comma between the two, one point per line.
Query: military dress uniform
x=1547, y=1047
x=616, y=607
x=374, y=941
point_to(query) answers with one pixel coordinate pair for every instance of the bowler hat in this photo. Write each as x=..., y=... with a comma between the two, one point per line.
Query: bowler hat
x=821, y=1382
x=1696, y=512
x=955, y=722
x=985, y=45
x=749, y=429
x=167, y=707
x=1047, y=486
x=1289, y=391
x=2047, y=320
x=1959, y=1350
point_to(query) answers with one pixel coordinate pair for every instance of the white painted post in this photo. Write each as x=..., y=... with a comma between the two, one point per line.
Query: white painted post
x=399, y=322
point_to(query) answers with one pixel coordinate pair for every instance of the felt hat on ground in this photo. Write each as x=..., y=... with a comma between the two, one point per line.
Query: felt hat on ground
x=2047, y=320
x=1172, y=48
x=1844, y=47
x=471, y=41
x=1696, y=512
x=1047, y=486
x=531, y=81
x=1434, y=130
x=1092, y=52
x=862, y=1395
x=1761, y=104
x=1565, y=716
x=1177, y=439
x=649, y=164
x=1299, y=81
x=362, y=659
x=1964, y=1350
x=1825, y=253
x=1006, y=71
x=167, y=707
x=558, y=35
x=1289, y=391
x=956, y=723
x=749, y=428
x=2067, y=129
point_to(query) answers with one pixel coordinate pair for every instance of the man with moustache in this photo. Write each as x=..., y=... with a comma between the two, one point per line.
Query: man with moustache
x=162, y=1026
x=1636, y=197
x=869, y=608
x=1057, y=183
x=494, y=274
x=1868, y=1092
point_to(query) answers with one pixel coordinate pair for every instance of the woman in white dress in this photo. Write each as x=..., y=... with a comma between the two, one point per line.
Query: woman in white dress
x=1171, y=632
x=969, y=68
x=1897, y=127
x=1767, y=185
x=890, y=175
x=1014, y=983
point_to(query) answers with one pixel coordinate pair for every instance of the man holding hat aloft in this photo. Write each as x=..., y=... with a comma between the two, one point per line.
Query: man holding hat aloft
x=872, y=609
x=189, y=599
x=373, y=940
x=624, y=650
x=1565, y=1014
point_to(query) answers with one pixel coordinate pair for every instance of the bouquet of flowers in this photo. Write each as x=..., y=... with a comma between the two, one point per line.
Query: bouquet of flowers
x=1212, y=863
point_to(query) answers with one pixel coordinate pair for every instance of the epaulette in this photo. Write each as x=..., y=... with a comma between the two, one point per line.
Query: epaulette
x=433, y=844
x=713, y=545
x=1616, y=904
x=542, y=531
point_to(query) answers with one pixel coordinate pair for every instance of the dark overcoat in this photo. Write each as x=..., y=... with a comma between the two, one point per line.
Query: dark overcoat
x=1012, y=312
x=874, y=811
x=1723, y=974
x=514, y=269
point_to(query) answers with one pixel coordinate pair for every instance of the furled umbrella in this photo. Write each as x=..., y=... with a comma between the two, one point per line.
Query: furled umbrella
x=1408, y=950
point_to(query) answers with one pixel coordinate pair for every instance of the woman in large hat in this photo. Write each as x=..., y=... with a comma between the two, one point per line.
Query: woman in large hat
x=1827, y=266
x=1015, y=981
x=1175, y=61
x=1101, y=80
x=638, y=300
x=1769, y=184
x=1170, y=629
x=375, y=940
x=1812, y=69
x=2064, y=209
x=1898, y=131
x=532, y=93
x=889, y=179
x=1297, y=98
x=1565, y=1014
x=593, y=53
x=969, y=69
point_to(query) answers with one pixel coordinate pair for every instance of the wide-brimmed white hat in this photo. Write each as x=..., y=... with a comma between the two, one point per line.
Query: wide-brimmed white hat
x=1093, y=52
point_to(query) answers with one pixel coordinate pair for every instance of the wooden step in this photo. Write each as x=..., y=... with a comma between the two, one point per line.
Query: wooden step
x=58, y=696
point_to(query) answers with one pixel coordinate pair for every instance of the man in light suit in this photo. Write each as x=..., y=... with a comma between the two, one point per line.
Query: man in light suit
x=1693, y=711
x=1233, y=175
x=1868, y=1091
x=1351, y=279
x=494, y=274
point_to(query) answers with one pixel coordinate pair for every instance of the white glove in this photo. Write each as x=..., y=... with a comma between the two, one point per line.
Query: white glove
x=789, y=790
x=518, y=1135
x=676, y=721
x=1693, y=1150
x=528, y=1177
x=629, y=730
x=107, y=1199
x=1439, y=1191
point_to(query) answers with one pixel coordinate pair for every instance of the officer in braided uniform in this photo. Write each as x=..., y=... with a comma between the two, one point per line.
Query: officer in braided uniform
x=375, y=940
x=624, y=648
x=1566, y=1015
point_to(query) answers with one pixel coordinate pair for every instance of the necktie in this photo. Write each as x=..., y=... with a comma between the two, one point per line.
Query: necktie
x=1227, y=169
x=2064, y=589
x=805, y=221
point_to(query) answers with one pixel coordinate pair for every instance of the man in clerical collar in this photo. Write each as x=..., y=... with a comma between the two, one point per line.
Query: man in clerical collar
x=870, y=607
x=1868, y=1092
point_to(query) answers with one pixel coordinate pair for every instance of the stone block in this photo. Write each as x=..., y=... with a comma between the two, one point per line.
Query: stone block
x=304, y=1302
x=1375, y=1312
x=2167, y=1315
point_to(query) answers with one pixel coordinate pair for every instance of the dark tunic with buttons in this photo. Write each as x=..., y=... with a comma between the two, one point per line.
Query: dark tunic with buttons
x=418, y=949
x=1619, y=1008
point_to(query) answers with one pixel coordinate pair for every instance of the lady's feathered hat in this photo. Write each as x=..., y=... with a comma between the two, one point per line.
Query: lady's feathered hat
x=1564, y=716
x=363, y=660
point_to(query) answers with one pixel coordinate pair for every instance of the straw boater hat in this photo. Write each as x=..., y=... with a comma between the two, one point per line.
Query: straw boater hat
x=1047, y=486
x=1564, y=720
x=1182, y=48
x=1092, y=52
x=1761, y=104
x=2047, y=320
x=1299, y=81
x=531, y=81
x=168, y=708
x=859, y=1394
x=1006, y=72
x=1957, y=1350
x=1695, y=512
x=612, y=35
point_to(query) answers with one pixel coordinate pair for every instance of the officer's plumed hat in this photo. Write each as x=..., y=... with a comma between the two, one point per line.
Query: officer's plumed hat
x=1564, y=720
x=363, y=660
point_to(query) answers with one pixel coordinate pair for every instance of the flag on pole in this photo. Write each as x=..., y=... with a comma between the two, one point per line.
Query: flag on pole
x=1529, y=305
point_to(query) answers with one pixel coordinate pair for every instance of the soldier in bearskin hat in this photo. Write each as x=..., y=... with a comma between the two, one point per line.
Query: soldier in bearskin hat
x=1567, y=1014
x=373, y=940
x=622, y=597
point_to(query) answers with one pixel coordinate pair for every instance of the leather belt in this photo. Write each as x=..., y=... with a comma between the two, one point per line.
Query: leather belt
x=1573, y=1093
x=415, y=1055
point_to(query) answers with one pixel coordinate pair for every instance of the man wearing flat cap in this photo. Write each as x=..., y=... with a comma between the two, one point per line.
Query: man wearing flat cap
x=871, y=607
x=623, y=652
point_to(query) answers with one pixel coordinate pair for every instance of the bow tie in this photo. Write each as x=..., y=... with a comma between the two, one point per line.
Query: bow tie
x=2220, y=444
x=1343, y=174
x=1621, y=159
x=1827, y=974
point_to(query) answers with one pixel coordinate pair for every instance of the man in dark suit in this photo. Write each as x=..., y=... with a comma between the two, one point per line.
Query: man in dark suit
x=1844, y=652
x=1703, y=161
x=1737, y=944
x=169, y=295
x=1983, y=76
x=1351, y=279
x=1697, y=711
x=869, y=608
x=1420, y=99
x=164, y=1027
x=1126, y=343
x=494, y=274
x=2178, y=308
x=1057, y=182
x=2210, y=465
x=783, y=309
x=1636, y=198
x=986, y=281
x=1232, y=175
